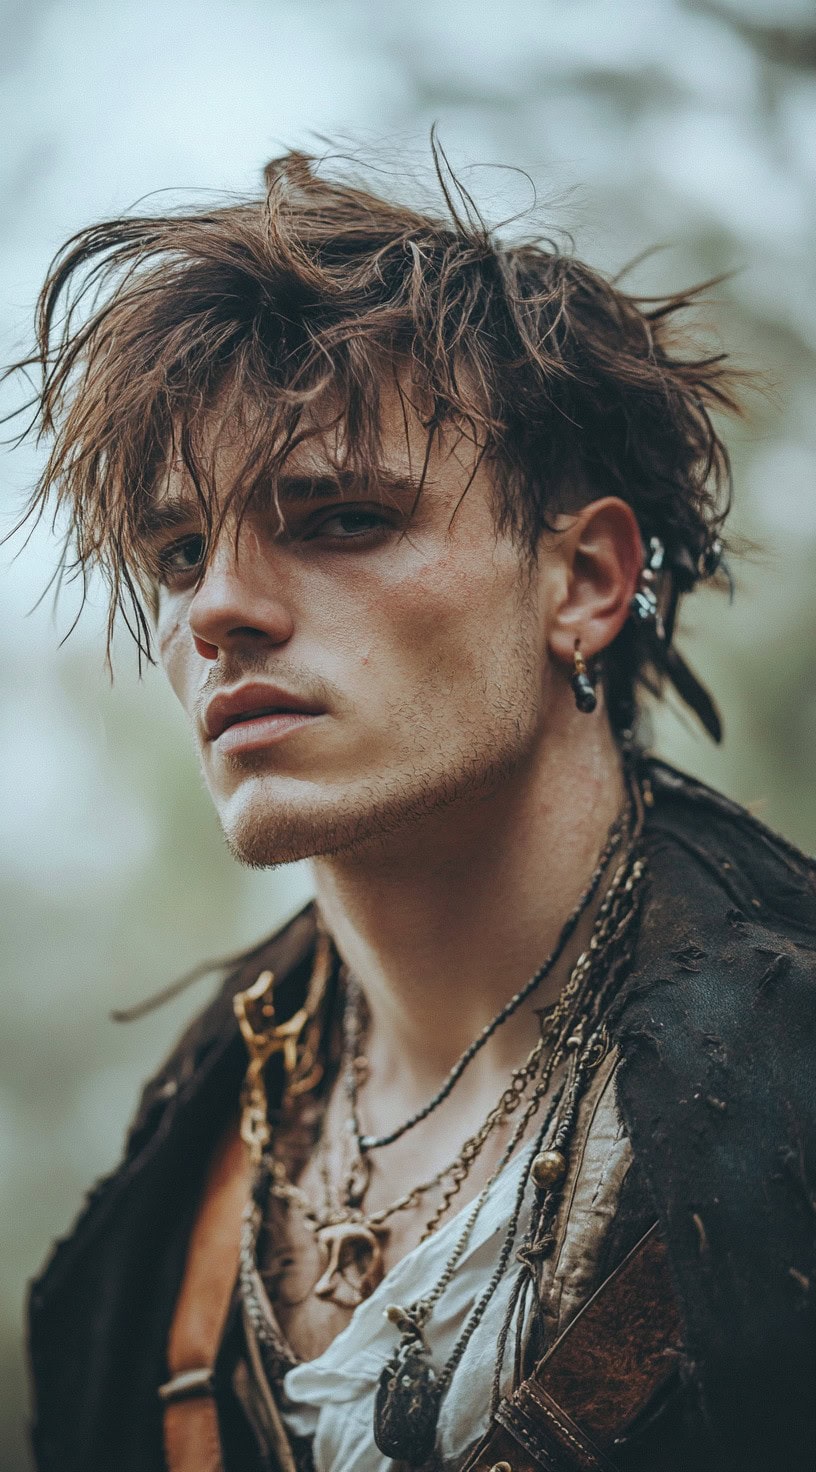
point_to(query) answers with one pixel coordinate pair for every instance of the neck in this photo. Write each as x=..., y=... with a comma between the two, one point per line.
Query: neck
x=444, y=921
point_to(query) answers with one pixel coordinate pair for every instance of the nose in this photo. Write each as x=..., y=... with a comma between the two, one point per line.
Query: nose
x=240, y=601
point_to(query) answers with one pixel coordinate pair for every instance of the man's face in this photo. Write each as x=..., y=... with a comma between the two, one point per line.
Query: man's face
x=362, y=667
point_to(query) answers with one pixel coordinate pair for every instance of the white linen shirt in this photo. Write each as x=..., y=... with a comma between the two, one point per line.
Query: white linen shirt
x=331, y=1398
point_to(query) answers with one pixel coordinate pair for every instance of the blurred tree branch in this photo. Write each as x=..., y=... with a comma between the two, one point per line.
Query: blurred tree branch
x=788, y=45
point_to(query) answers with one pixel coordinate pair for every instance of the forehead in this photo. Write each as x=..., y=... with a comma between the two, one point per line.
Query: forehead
x=324, y=462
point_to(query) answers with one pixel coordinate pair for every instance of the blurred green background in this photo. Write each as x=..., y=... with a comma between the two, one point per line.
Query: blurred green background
x=691, y=126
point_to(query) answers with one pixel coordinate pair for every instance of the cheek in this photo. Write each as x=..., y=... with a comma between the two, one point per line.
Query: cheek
x=176, y=651
x=461, y=599
x=445, y=620
x=380, y=619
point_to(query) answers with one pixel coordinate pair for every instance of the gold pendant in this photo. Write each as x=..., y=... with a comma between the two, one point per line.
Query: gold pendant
x=355, y=1262
x=255, y=1011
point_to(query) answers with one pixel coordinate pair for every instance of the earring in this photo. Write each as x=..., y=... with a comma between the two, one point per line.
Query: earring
x=582, y=686
x=644, y=605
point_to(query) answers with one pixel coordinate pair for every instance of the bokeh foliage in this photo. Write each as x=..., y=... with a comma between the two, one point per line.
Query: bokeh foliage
x=692, y=126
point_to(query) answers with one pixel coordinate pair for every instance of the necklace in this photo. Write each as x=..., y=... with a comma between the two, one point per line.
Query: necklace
x=410, y=1392
x=353, y=1237
x=613, y=841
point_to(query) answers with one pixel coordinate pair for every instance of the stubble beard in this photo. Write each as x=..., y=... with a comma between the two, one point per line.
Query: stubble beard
x=266, y=833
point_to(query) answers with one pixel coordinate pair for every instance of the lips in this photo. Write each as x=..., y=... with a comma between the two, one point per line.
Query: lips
x=248, y=703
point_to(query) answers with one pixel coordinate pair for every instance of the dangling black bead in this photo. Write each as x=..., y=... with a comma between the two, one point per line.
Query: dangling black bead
x=584, y=692
x=582, y=687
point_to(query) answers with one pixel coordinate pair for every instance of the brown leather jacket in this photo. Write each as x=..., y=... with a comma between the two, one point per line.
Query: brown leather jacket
x=716, y=1089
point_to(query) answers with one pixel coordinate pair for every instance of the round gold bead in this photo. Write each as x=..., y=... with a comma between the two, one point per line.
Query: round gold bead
x=548, y=1168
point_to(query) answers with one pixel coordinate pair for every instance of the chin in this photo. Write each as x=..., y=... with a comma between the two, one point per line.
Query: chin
x=264, y=829
x=285, y=838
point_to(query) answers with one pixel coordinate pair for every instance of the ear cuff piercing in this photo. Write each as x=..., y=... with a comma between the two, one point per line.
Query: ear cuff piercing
x=582, y=687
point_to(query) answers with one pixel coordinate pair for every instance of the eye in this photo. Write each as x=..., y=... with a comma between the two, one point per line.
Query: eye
x=346, y=525
x=181, y=558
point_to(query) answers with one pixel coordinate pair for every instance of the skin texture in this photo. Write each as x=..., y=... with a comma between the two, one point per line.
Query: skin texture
x=452, y=799
x=420, y=641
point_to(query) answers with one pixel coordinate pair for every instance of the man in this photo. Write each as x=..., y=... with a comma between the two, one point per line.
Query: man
x=500, y=1155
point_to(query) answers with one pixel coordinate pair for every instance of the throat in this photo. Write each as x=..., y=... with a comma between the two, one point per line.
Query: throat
x=439, y=937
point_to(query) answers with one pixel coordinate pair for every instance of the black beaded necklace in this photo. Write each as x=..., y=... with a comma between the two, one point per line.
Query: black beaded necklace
x=410, y=1391
x=378, y=1142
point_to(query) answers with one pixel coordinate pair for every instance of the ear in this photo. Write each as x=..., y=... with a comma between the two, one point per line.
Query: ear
x=602, y=558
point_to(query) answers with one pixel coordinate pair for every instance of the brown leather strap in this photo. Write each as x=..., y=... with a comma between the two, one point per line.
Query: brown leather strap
x=191, y=1437
x=596, y=1378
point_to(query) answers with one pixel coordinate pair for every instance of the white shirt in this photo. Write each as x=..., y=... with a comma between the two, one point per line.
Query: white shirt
x=331, y=1398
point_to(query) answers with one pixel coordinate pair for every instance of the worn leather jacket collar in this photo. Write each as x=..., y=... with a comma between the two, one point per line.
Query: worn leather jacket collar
x=719, y=1006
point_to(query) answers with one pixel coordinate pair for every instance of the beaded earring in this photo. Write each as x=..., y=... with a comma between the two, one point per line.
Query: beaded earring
x=582, y=686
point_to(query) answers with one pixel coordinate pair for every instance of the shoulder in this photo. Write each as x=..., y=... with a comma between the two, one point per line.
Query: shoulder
x=719, y=1012
x=98, y=1310
x=287, y=954
x=723, y=985
x=717, y=1028
x=204, y=1067
x=727, y=946
x=725, y=968
x=745, y=860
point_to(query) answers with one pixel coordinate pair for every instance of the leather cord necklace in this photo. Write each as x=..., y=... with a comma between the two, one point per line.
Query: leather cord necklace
x=614, y=839
x=410, y=1390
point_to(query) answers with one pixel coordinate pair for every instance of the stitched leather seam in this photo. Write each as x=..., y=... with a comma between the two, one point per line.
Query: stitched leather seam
x=565, y=1432
x=522, y=1434
x=549, y=1410
x=529, y=1431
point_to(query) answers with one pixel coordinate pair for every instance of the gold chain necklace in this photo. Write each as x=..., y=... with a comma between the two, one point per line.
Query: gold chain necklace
x=352, y=1239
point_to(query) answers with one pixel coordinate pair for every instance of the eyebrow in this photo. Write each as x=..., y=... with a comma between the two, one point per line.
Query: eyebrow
x=343, y=483
x=176, y=511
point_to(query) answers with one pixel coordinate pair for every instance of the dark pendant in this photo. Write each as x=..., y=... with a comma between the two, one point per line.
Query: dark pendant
x=406, y=1410
x=584, y=692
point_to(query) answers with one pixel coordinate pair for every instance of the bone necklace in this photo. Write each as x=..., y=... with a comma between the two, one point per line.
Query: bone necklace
x=351, y=1239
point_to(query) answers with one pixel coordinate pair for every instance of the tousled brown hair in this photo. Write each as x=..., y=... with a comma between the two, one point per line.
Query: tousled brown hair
x=301, y=304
